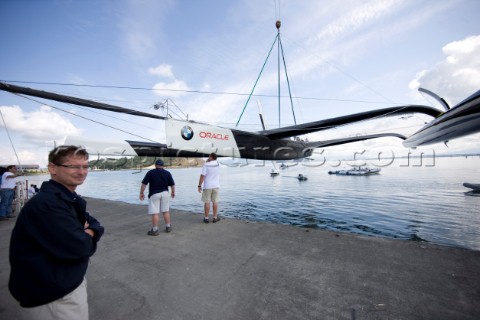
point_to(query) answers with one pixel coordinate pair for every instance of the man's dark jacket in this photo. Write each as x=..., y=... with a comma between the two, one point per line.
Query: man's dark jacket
x=49, y=248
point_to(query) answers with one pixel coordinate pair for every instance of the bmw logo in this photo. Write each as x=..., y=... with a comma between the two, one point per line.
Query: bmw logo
x=187, y=133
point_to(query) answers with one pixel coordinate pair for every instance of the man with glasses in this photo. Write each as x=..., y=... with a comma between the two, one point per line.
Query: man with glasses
x=7, y=192
x=52, y=241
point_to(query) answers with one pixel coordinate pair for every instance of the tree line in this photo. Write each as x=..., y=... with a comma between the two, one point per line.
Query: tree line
x=138, y=162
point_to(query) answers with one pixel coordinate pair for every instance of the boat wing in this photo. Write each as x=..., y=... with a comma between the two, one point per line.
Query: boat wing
x=74, y=100
x=309, y=127
x=334, y=142
x=474, y=186
x=189, y=138
x=459, y=121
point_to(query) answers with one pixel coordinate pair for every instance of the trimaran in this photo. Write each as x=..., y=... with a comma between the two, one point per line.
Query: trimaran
x=188, y=138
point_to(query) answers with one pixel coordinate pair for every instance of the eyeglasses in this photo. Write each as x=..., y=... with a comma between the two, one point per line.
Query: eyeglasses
x=73, y=166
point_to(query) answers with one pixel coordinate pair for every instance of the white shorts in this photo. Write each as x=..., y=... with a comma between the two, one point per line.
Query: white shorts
x=159, y=202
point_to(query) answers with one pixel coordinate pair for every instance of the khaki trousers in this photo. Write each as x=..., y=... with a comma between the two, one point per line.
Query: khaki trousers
x=74, y=306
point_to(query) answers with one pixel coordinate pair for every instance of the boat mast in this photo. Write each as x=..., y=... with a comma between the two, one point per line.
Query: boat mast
x=281, y=53
x=278, y=24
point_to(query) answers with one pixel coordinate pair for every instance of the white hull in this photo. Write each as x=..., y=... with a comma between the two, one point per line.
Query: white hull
x=357, y=171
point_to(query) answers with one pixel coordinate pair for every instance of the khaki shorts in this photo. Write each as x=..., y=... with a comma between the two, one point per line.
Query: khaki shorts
x=73, y=306
x=210, y=195
x=159, y=202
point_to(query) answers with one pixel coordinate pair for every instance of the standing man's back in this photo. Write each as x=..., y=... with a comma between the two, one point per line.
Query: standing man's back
x=158, y=181
x=210, y=178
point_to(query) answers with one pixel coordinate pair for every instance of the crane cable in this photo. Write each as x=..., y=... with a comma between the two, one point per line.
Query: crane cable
x=11, y=142
x=282, y=54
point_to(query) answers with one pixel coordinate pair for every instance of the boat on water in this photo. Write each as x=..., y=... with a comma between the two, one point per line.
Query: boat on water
x=301, y=177
x=356, y=171
x=474, y=186
x=274, y=172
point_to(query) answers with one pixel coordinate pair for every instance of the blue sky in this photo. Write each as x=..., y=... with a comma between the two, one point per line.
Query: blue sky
x=342, y=57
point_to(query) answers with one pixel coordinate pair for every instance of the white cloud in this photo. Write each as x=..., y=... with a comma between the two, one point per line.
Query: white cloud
x=37, y=126
x=175, y=88
x=163, y=70
x=33, y=134
x=28, y=156
x=458, y=75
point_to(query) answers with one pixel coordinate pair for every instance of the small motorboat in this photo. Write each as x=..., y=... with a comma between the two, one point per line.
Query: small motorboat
x=274, y=173
x=363, y=171
x=301, y=177
x=356, y=171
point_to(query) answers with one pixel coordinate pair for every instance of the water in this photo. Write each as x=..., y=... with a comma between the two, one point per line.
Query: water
x=408, y=201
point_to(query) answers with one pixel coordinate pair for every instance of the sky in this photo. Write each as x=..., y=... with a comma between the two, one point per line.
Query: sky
x=205, y=57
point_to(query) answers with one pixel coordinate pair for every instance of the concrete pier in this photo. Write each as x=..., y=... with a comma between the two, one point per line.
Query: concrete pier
x=243, y=270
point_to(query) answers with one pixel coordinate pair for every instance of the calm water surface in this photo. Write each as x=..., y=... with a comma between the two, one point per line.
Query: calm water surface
x=412, y=201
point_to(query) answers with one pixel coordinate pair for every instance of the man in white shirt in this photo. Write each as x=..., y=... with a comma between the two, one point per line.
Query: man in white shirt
x=210, y=178
x=31, y=191
x=7, y=191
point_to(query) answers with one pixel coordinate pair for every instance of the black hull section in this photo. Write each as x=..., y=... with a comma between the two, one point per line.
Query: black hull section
x=148, y=149
x=462, y=120
x=249, y=148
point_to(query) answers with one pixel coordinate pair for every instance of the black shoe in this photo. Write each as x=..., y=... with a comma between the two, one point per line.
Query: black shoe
x=152, y=233
x=3, y=218
x=216, y=219
x=206, y=220
x=168, y=229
